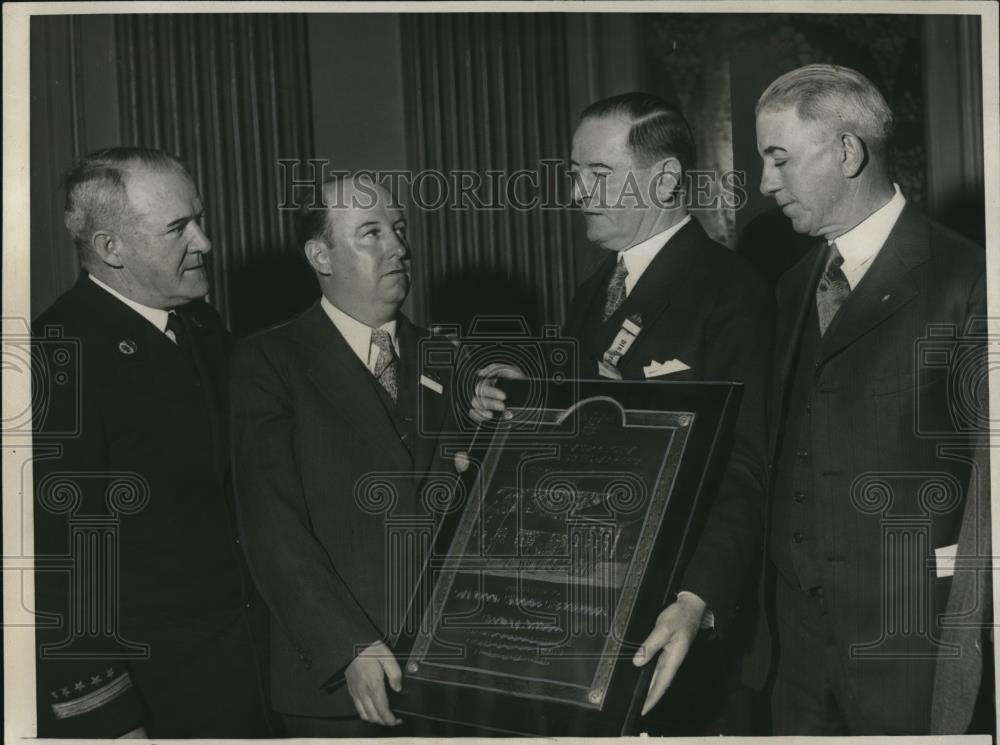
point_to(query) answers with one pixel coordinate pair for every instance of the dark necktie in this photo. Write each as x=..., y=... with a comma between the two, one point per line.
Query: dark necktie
x=385, y=365
x=616, y=289
x=176, y=326
x=832, y=290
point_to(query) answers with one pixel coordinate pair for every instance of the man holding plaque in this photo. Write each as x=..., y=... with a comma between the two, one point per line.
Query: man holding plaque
x=879, y=366
x=327, y=450
x=669, y=303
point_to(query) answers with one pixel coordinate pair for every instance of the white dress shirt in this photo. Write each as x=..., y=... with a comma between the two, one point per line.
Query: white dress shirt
x=860, y=245
x=638, y=258
x=358, y=335
x=156, y=316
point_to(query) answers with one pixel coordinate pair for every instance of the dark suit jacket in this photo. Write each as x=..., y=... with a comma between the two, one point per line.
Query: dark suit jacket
x=702, y=304
x=882, y=404
x=311, y=427
x=130, y=444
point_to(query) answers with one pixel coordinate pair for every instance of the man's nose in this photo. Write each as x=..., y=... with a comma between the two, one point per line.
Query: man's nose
x=398, y=247
x=769, y=182
x=200, y=242
x=581, y=194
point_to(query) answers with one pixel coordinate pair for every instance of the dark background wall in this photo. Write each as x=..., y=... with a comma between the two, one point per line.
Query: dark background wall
x=233, y=95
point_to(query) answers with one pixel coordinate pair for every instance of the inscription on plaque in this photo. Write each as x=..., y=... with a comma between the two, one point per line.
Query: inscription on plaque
x=537, y=588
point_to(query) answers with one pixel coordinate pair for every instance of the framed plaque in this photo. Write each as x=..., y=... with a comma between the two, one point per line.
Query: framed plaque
x=566, y=539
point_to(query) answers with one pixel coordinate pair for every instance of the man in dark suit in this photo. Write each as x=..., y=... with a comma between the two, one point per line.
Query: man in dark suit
x=876, y=363
x=322, y=404
x=147, y=618
x=669, y=303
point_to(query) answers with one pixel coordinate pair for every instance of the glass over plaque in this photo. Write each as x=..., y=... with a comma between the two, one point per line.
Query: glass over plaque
x=569, y=536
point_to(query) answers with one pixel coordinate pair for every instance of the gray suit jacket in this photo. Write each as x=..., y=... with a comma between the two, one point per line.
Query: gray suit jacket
x=323, y=465
x=969, y=612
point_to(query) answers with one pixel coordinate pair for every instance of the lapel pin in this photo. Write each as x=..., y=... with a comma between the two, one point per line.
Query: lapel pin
x=886, y=297
x=127, y=346
x=195, y=321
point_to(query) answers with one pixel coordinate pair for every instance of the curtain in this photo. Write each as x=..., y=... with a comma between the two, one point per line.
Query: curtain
x=489, y=92
x=229, y=95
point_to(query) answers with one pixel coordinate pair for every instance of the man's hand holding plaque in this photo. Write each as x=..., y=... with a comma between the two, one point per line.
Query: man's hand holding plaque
x=675, y=629
x=489, y=399
x=365, y=682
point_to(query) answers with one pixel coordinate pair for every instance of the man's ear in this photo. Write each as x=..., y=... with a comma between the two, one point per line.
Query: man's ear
x=318, y=256
x=668, y=181
x=107, y=247
x=855, y=155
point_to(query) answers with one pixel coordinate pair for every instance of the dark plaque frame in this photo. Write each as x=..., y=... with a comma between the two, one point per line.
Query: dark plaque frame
x=637, y=464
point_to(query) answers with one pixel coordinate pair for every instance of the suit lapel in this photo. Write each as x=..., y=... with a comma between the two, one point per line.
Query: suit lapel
x=141, y=357
x=421, y=408
x=589, y=293
x=651, y=295
x=796, y=294
x=886, y=287
x=347, y=384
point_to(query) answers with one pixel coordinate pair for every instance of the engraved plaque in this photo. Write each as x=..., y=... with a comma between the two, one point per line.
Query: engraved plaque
x=567, y=544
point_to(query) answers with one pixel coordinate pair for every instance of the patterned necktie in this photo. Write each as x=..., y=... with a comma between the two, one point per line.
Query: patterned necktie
x=832, y=290
x=385, y=365
x=616, y=289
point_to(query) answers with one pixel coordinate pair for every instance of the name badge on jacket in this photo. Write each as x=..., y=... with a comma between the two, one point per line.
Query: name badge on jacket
x=607, y=366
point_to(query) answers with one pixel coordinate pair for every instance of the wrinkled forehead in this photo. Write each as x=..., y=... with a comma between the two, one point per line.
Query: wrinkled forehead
x=784, y=122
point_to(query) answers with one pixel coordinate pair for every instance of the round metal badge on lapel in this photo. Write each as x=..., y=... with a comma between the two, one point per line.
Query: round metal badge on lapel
x=127, y=346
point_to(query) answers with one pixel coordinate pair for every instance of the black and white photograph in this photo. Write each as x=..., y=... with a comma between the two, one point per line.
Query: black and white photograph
x=501, y=370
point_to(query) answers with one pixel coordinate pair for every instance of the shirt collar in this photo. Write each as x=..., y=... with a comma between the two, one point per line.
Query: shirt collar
x=641, y=255
x=156, y=316
x=861, y=244
x=358, y=335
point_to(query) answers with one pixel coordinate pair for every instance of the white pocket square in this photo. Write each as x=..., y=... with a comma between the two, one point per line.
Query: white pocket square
x=655, y=369
x=945, y=560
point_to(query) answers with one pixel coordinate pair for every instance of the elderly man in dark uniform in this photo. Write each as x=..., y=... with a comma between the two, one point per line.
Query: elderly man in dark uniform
x=147, y=618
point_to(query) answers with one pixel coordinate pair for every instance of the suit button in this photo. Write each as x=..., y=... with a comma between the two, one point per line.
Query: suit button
x=802, y=453
x=809, y=406
x=799, y=496
x=797, y=537
x=248, y=606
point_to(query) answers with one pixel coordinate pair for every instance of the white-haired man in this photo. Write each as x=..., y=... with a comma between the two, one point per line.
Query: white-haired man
x=148, y=620
x=865, y=506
